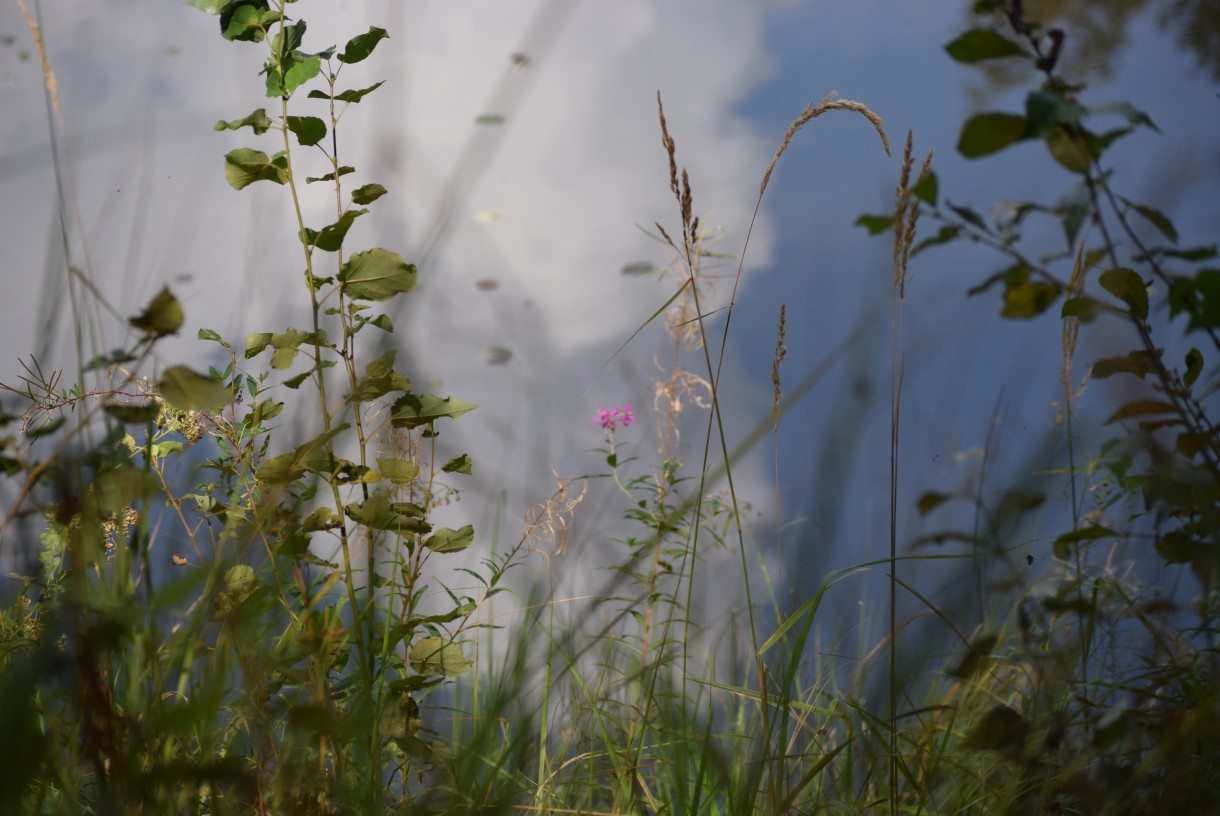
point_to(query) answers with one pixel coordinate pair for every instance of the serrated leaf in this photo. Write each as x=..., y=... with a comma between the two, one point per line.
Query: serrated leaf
x=987, y=133
x=245, y=166
x=162, y=316
x=445, y=540
x=1128, y=287
x=187, y=390
x=980, y=44
x=367, y=194
x=414, y=410
x=359, y=47
x=257, y=121
x=376, y=274
x=433, y=656
x=459, y=464
x=309, y=130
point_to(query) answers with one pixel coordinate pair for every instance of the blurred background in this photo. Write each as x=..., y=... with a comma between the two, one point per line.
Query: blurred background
x=520, y=145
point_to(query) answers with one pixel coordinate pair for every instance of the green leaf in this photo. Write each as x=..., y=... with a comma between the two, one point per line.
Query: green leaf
x=380, y=512
x=433, y=656
x=133, y=413
x=414, y=410
x=445, y=540
x=295, y=70
x=210, y=334
x=187, y=390
x=376, y=274
x=1157, y=219
x=875, y=223
x=309, y=130
x=1075, y=206
x=1084, y=309
x=380, y=379
x=1128, y=287
x=1070, y=148
x=930, y=501
x=987, y=133
x=286, y=344
x=162, y=316
x=356, y=96
x=330, y=239
x=459, y=464
x=1002, y=730
x=927, y=189
x=400, y=472
x=313, y=456
x=343, y=171
x=1022, y=297
x=1044, y=109
x=1138, y=408
x=975, y=658
x=1194, y=366
x=367, y=194
x=968, y=215
x=981, y=44
x=1133, y=115
x=244, y=166
x=359, y=47
x=943, y=236
x=1138, y=363
x=122, y=487
x=242, y=21
x=209, y=6
x=1062, y=548
x=257, y=121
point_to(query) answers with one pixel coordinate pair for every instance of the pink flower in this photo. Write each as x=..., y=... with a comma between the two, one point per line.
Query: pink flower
x=609, y=418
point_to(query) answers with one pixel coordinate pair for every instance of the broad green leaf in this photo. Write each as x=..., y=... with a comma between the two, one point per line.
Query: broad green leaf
x=1140, y=408
x=1128, y=287
x=242, y=21
x=1133, y=115
x=162, y=316
x=981, y=44
x=399, y=472
x=414, y=410
x=297, y=69
x=288, y=38
x=875, y=223
x=257, y=121
x=1044, y=109
x=1070, y=148
x=357, y=95
x=209, y=6
x=133, y=413
x=359, y=47
x=245, y=166
x=433, y=656
x=286, y=344
x=380, y=379
x=330, y=239
x=445, y=540
x=927, y=189
x=942, y=236
x=1002, y=730
x=1178, y=547
x=1138, y=363
x=313, y=456
x=975, y=658
x=459, y=464
x=987, y=133
x=1084, y=309
x=367, y=194
x=1194, y=367
x=122, y=487
x=187, y=390
x=210, y=334
x=930, y=501
x=1023, y=298
x=309, y=130
x=376, y=274
x=968, y=215
x=381, y=512
x=1062, y=548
